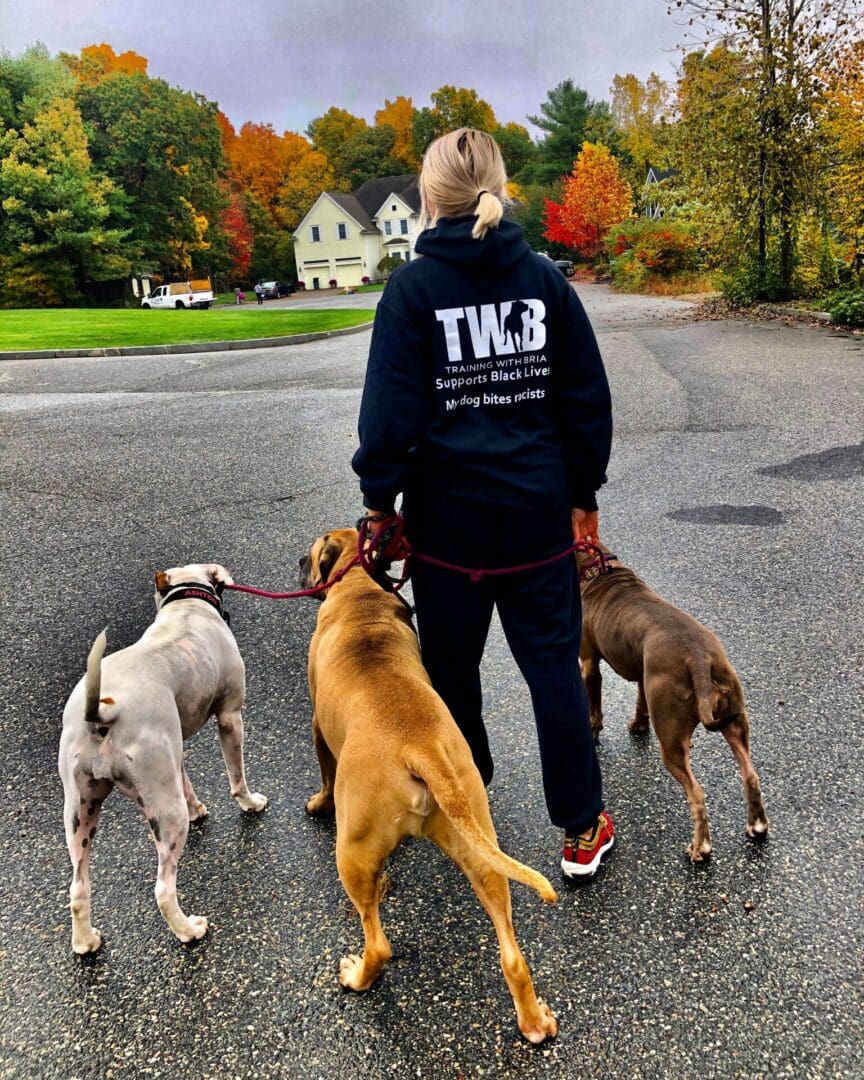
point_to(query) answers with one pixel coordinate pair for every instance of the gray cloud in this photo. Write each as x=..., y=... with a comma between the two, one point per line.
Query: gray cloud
x=284, y=63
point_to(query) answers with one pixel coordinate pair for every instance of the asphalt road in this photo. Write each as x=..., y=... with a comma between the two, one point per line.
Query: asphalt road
x=735, y=489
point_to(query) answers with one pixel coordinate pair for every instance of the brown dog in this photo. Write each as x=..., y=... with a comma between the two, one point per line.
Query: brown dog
x=684, y=678
x=394, y=764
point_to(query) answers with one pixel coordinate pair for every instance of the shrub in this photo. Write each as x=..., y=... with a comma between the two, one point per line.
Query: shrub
x=847, y=306
x=388, y=264
x=644, y=248
x=332, y=283
x=301, y=285
x=365, y=279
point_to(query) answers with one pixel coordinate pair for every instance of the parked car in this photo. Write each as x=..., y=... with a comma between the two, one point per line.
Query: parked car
x=275, y=290
x=566, y=267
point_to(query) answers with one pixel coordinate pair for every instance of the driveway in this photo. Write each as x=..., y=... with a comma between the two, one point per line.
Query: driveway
x=734, y=489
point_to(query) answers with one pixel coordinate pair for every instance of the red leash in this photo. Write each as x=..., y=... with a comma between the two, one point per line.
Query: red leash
x=390, y=544
x=316, y=591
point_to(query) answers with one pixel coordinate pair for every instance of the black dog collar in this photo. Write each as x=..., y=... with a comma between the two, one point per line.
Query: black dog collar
x=193, y=590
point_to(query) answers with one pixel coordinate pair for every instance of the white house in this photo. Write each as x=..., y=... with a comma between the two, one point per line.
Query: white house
x=344, y=237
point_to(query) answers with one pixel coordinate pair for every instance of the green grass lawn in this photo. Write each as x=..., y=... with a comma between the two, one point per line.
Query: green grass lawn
x=93, y=328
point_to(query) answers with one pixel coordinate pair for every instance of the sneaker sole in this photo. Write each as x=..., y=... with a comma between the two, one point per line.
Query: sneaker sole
x=583, y=870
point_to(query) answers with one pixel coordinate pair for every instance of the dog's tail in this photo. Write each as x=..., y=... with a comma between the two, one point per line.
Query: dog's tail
x=97, y=710
x=438, y=774
x=709, y=697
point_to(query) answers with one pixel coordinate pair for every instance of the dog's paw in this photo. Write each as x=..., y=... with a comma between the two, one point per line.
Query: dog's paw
x=321, y=805
x=545, y=1026
x=252, y=802
x=197, y=811
x=195, y=929
x=352, y=973
x=87, y=943
x=758, y=830
x=699, y=852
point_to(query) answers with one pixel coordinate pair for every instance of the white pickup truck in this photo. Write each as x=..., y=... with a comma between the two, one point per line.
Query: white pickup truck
x=181, y=294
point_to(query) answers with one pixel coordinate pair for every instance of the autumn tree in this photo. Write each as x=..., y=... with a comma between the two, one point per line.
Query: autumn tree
x=97, y=62
x=452, y=107
x=399, y=115
x=308, y=173
x=258, y=162
x=239, y=236
x=784, y=48
x=55, y=234
x=595, y=198
x=642, y=111
x=842, y=121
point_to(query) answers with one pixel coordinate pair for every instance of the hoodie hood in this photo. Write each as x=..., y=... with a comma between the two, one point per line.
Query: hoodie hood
x=496, y=254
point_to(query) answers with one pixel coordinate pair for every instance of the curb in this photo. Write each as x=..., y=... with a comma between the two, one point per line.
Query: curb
x=801, y=314
x=189, y=347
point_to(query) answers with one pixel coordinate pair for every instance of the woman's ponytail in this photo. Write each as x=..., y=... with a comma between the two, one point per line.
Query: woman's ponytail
x=489, y=213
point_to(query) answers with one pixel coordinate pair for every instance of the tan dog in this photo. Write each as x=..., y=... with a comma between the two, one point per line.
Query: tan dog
x=124, y=726
x=684, y=678
x=395, y=765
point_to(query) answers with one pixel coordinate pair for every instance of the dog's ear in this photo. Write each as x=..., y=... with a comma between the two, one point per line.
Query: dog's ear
x=219, y=575
x=330, y=552
x=162, y=580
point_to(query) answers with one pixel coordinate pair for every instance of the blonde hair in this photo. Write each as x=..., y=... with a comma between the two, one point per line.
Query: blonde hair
x=463, y=173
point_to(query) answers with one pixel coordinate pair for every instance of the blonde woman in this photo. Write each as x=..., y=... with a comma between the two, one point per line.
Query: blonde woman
x=486, y=406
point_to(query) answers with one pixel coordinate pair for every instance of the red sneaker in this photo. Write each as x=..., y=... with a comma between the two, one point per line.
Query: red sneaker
x=581, y=857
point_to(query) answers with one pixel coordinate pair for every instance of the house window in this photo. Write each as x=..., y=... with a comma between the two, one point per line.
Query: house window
x=341, y=231
x=403, y=226
x=393, y=208
x=316, y=233
x=407, y=256
x=388, y=228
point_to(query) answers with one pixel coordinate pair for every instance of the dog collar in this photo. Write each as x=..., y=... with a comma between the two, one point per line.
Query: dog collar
x=598, y=567
x=193, y=590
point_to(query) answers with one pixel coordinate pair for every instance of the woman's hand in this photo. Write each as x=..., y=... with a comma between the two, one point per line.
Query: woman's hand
x=586, y=525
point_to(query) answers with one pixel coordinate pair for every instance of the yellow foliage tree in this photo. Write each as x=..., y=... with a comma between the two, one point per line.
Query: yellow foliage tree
x=843, y=124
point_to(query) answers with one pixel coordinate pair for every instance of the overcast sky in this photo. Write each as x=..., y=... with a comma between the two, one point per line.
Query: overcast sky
x=287, y=61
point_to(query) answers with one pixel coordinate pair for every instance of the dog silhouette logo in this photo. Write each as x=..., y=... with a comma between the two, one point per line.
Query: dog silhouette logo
x=514, y=323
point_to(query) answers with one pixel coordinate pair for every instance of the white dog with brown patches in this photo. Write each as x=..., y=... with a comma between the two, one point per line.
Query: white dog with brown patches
x=124, y=726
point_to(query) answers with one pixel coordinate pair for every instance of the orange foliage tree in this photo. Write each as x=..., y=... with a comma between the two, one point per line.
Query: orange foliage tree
x=258, y=162
x=399, y=115
x=595, y=198
x=97, y=62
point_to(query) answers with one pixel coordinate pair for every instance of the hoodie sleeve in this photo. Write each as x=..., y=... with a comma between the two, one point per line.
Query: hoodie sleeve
x=396, y=406
x=584, y=406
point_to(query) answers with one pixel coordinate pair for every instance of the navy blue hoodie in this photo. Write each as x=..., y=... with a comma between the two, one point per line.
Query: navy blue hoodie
x=484, y=379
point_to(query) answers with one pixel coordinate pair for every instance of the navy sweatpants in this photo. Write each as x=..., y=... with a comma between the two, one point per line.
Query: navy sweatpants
x=541, y=614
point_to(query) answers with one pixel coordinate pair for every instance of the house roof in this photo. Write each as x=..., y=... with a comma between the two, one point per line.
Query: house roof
x=351, y=205
x=656, y=175
x=373, y=193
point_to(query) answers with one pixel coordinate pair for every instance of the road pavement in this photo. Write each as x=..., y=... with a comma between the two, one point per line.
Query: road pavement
x=734, y=489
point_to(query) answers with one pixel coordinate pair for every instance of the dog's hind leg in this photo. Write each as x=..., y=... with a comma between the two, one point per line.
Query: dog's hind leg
x=534, y=1017
x=322, y=801
x=168, y=819
x=737, y=734
x=675, y=751
x=230, y=724
x=639, y=724
x=83, y=804
x=359, y=865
